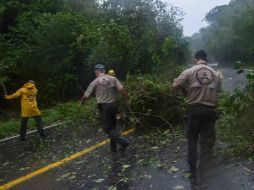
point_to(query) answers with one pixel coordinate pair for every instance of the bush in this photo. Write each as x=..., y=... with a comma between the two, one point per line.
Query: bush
x=235, y=125
x=153, y=104
x=71, y=111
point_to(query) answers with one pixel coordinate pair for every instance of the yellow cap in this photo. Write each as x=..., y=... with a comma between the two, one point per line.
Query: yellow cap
x=111, y=72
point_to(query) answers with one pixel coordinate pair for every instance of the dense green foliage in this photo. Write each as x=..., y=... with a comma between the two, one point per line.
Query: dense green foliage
x=154, y=104
x=229, y=37
x=57, y=42
x=235, y=125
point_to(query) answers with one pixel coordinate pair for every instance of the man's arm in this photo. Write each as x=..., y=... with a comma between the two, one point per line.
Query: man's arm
x=87, y=93
x=15, y=95
x=83, y=99
x=176, y=85
x=180, y=82
x=125, y=95
x=122, y=91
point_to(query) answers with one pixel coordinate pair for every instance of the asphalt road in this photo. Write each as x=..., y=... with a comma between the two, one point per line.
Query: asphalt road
x=232, y=80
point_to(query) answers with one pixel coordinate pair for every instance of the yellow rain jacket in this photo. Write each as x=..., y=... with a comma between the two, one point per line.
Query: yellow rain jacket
x=28, y=100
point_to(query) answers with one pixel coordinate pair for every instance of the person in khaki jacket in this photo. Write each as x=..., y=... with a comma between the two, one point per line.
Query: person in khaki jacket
x=29, y=108
x=203, y=84
x=106, y=89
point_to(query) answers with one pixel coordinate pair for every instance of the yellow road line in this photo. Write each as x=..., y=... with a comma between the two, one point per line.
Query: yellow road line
x=58, y=163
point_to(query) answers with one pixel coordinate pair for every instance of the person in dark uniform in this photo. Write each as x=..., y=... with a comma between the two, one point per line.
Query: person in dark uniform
x=106, y=90
x=203, y=85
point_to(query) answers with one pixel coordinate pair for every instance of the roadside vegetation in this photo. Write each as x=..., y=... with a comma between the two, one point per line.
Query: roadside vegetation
x=235, y=124
x=153, y=104
x=71, y=111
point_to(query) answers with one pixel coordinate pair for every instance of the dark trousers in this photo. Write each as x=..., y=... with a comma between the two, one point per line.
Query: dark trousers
x=201, y=123
x=108, y=114
x=23, y=127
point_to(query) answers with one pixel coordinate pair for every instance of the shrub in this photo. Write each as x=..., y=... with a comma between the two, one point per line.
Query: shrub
x=235, y=125
x=153, y=104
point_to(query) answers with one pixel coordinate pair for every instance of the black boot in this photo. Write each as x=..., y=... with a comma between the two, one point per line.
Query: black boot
x=123, y=147
x=113, y=145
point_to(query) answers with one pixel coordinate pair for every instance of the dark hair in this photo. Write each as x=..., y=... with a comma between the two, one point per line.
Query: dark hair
x=201, y=54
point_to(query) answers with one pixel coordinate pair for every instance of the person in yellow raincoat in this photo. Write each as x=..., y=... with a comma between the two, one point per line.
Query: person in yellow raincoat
x=29, y=108
x=112, y=73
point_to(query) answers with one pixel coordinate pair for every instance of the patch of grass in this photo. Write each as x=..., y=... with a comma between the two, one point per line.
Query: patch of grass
x=62, y=112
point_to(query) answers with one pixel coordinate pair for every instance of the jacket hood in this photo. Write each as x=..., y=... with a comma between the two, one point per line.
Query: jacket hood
x=29, y=85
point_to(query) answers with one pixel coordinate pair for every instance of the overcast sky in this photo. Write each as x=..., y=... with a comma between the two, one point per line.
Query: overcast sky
x=195, y=11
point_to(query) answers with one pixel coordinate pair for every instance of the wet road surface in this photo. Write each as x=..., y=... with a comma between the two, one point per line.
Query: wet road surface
x=232, y=80
x=155, y=160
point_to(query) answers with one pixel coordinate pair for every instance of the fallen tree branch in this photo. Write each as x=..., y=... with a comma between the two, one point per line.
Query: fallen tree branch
x=249, y=150
x=247, y=169
x=157, y=116
x=132, y=113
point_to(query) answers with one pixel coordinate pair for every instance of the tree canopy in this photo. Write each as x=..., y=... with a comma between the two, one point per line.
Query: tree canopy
x=229, y=37
x=57, y=42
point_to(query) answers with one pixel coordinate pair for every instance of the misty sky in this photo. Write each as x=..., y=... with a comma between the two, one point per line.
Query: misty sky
x=195, y=11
